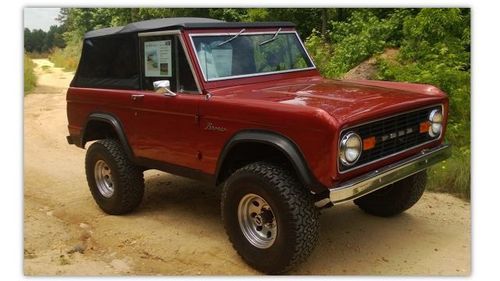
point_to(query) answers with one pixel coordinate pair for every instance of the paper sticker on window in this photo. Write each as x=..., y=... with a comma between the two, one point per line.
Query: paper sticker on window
x=223, y=59
x=158, y=58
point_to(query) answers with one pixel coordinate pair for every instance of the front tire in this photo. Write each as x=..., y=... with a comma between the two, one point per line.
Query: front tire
x=116, y=184
x=269, y=217
x=395, y=198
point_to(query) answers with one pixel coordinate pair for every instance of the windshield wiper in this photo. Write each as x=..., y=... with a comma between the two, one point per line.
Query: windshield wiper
x=232, y=38
x=272, y=39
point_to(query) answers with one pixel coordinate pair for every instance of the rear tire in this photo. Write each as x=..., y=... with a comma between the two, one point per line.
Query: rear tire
x=116, y=184
x=395, y=198
x=269, y=217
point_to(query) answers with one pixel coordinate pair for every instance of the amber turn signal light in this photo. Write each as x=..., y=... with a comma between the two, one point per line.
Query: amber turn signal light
x=424, y=127
x=369, y=143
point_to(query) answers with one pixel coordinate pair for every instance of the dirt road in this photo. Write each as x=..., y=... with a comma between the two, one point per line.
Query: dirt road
x=177, y=229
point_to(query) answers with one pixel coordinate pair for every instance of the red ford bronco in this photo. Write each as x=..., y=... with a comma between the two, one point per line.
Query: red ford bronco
x=242, y=107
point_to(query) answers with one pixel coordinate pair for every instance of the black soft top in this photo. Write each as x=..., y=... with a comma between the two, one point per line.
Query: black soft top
x=178, y=23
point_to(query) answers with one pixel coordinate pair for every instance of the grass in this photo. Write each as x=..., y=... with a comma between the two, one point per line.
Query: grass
x=46, y=69
x=452, y=175
x=29, y=75
x=36, y=55
x=66, y=58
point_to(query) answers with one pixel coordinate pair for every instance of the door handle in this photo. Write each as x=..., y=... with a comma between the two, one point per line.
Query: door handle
x=136, y=97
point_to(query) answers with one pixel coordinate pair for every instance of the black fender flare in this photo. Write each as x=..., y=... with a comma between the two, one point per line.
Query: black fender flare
x=283, y=144
x=115, y=124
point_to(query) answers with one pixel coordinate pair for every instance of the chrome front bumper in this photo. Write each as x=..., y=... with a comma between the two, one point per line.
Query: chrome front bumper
x=375, y=180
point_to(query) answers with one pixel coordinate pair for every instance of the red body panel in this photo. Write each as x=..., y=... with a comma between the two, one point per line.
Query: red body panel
x=309, y=110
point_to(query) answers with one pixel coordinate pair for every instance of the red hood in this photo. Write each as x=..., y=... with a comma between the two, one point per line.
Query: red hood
x=346, y=101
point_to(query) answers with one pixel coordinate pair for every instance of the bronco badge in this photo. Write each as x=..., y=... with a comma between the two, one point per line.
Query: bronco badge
x=211, y=127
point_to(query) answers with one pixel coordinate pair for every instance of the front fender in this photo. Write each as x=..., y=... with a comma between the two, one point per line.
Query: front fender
x=280, y=142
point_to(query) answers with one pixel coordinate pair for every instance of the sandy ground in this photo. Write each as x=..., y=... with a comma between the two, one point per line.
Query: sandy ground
x=177, y=229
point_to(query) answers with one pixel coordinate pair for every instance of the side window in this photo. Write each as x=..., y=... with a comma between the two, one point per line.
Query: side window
x=163, y=58
x=186, y=79
x=108, y=62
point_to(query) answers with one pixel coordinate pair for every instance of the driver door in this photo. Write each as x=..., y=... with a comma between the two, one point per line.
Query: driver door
x=165, y=127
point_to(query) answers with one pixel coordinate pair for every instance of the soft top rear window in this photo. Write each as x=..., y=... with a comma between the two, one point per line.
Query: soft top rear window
x=108, y=62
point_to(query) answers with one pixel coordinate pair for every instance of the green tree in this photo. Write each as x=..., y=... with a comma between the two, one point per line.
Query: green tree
x=34, y=40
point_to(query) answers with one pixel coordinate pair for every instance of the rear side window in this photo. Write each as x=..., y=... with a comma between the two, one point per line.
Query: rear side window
x=108, y=62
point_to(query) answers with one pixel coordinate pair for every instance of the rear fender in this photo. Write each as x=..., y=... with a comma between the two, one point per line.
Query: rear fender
x=115, y=125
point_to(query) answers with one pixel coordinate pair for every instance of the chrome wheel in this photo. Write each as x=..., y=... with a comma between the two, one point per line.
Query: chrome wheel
x=257, y=221
x=103, y=179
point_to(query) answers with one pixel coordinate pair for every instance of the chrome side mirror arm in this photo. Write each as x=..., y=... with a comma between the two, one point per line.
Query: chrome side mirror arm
x=169, y=93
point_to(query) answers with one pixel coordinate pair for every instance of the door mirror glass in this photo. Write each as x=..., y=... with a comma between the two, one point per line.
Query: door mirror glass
x=161, y=84
x=163, y=87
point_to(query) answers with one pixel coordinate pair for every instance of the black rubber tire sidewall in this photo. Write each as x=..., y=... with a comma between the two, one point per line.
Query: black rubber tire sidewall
x=127, y=178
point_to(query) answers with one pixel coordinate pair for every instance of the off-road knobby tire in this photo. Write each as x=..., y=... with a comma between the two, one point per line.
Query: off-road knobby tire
x=296, y=216
x=395, y=198
x=128, y=179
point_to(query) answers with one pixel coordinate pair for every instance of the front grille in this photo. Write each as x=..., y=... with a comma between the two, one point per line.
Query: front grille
x=393, y=134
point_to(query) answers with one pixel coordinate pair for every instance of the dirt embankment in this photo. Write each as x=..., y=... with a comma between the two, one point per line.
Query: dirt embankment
x=177, y=229
x=368, y=69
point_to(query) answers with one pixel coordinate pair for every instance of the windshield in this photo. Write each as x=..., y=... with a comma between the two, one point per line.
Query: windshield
x=230, y=56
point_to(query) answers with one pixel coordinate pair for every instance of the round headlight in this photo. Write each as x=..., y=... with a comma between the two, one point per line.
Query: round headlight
x=350, y=148
x=436, y=118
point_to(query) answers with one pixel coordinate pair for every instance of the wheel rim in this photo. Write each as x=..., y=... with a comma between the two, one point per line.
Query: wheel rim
x=257, y=221
x=104, y=179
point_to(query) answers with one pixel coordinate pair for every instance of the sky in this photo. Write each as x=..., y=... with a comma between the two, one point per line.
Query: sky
x=40, y=18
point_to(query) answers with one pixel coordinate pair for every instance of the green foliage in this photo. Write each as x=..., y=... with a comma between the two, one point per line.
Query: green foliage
x=77, y=21
x=39, y=41
x=257, y=14
x=350, y=42
x=34, y=40
x=29, y=75
x=321, y=53
x=228, y=14
x=438, y=34
x=306, y=19
x=68, y=57
x=452, y=175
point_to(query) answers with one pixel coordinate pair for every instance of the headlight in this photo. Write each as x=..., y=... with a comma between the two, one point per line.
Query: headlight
x=436, y=119
x=350, y=148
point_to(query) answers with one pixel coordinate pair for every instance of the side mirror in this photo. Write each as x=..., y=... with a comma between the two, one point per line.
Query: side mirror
x=163, y=86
